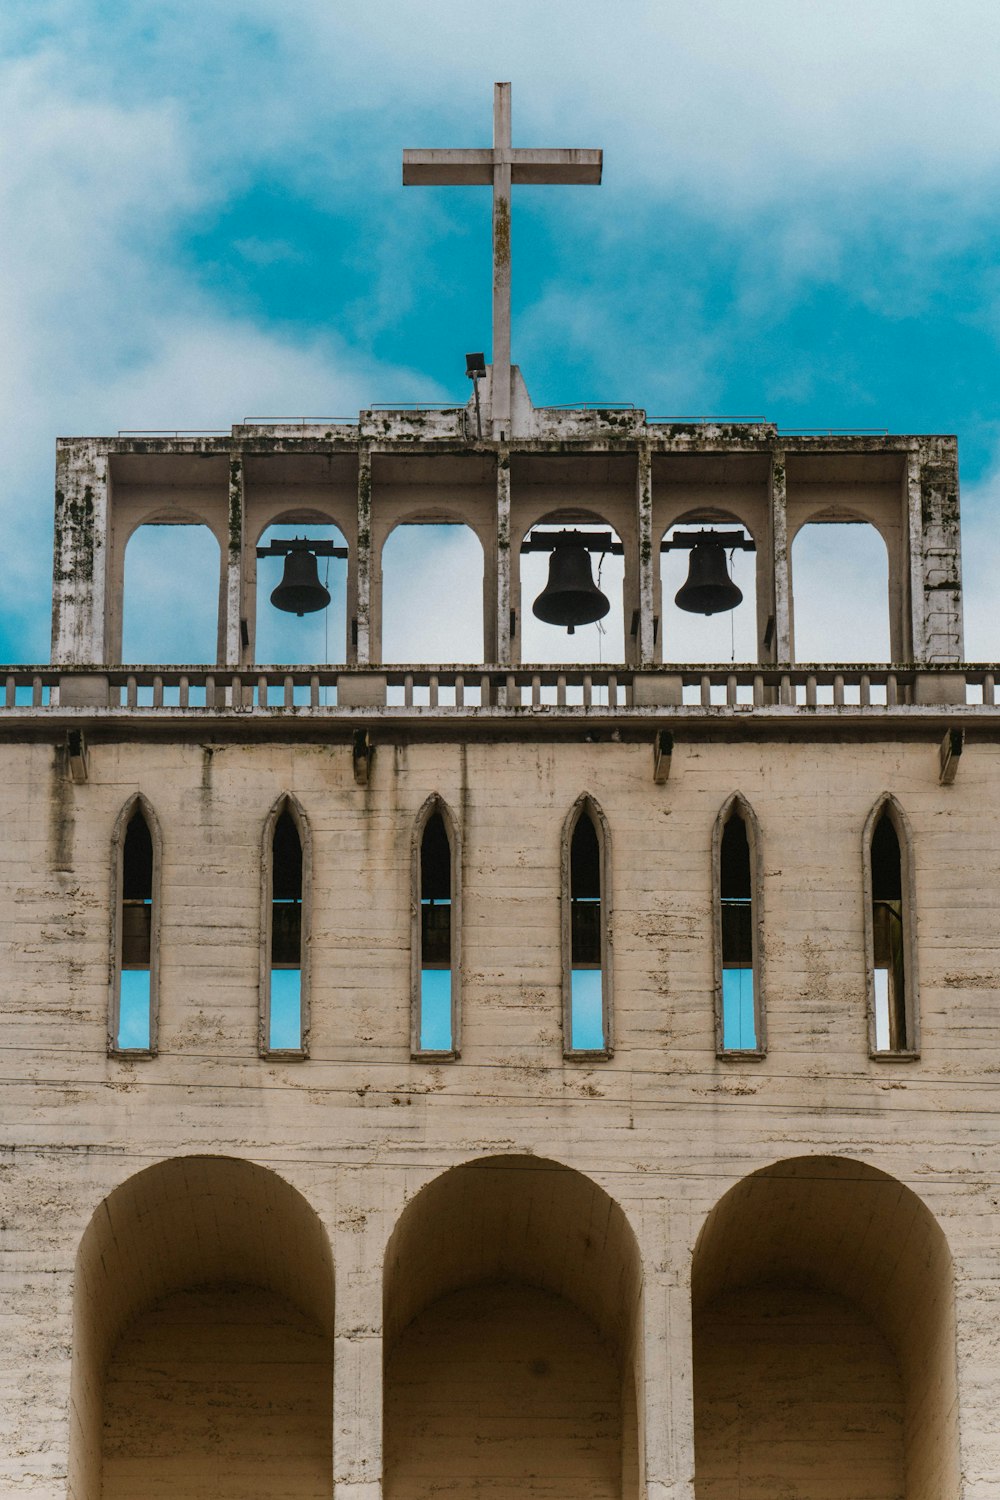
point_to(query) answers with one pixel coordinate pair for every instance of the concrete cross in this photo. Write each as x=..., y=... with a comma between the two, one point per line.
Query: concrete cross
x=502, y=166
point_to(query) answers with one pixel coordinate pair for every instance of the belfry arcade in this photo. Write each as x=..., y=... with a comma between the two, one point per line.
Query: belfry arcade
x=555, y=1065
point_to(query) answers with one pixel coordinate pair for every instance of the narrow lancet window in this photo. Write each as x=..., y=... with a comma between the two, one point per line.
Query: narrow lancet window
x=284, y=1013
x=133, y=1006
x=435, y=1021
x=888, y=939
x=587, y=1008
x=739, y=1022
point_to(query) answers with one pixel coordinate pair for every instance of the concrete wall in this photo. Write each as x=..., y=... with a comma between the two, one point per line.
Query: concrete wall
x=348, y=1139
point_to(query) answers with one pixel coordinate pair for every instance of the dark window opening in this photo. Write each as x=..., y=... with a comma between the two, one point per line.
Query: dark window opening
x=435, y=1030
x=587, y=1030
x=888, y=939
x=133, y=1031
x=739, y=1028
x=285, y=999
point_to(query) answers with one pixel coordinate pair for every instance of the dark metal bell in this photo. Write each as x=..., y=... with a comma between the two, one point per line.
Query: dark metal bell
x=570, y=597
x=300, y=591
x=708, y=590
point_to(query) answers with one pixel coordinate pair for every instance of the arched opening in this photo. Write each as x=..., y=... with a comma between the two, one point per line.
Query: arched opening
x=135, y=932
x=736, y=865
x=171, y=596
x=824, y=1340
x=316, y=638
x=600, y=641
x=840, y=589
x=436, y=932
x=728, y=636
x=432, y=594
x=287, y=861
x=512, y=1313
x=889, y=931
x=586, y=859
x=203, y=1339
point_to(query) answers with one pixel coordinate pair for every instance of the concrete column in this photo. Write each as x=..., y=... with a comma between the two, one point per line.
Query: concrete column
x=357, y=1357
x=364, y=561
x=79, y=578
x=646, y=645
x=667, y=1417
x=504, y=644
x=935, y=572
x=235, y=654
x=782, y=643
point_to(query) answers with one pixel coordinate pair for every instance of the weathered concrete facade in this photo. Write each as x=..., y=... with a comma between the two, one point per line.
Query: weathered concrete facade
x=670, y=1270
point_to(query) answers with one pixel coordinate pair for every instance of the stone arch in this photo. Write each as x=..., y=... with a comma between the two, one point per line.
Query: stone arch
x=824, y=1339
x=286, y=803
x=887, y=805
x=442, y=573
x=278, y=638
x=194, y=1276
x=435, y=805
x=587, y=806
x=707, y=639
x=185, y=560
x=737, y=804
x=850, y=536
x=512, y=1321
x=534, y=641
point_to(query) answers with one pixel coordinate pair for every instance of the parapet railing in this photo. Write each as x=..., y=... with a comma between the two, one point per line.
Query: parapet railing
x=274, y=688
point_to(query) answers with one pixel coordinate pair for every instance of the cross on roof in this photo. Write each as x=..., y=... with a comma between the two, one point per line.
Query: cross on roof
x=502, y=166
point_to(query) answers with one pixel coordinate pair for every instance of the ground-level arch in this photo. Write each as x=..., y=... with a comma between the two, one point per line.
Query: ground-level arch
x=824, y=1339
x=512, y=1314
x=203, y=1338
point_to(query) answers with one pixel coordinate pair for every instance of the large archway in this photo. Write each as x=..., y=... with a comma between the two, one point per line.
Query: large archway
x=824, y=1340
x=203, y=1339
x=512, y=1314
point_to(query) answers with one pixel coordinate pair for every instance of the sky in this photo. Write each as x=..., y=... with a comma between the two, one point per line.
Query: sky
x=204, y=221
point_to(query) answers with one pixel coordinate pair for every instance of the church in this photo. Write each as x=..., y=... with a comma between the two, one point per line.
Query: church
x=561, y=1081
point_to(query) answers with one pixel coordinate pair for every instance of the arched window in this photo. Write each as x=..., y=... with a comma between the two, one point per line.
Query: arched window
x=891, y=955
x=739, y=1010
x=134, y=930
x=171, y=594
x=840, y=583
x=436, y=933
x=586, y=932
x=284, y=1021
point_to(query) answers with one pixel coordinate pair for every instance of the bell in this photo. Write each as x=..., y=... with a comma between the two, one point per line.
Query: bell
x=300, y=591
x=570, y=597
x=709, y=590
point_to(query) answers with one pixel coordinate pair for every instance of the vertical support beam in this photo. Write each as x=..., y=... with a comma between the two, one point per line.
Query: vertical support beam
x=234, y=652
x=781, y=642
x=79, y=574
x=357, y=1359
x=364, y=556
x=500, y=383
x=935, y=556
x=504, y=642
x=646, y=645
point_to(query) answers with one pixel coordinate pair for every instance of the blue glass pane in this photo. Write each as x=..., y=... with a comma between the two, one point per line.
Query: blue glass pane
x=435, y=1010
x=286, y=1010
x=133, y=1010
x=739, y=1032
x=587, y=1011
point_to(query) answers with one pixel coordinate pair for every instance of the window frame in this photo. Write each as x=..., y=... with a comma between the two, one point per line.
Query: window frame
x=137, y=802
x=290, y=804
x=887, y=804
x=435, y=804
x=737, y=803
x=587, y=805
